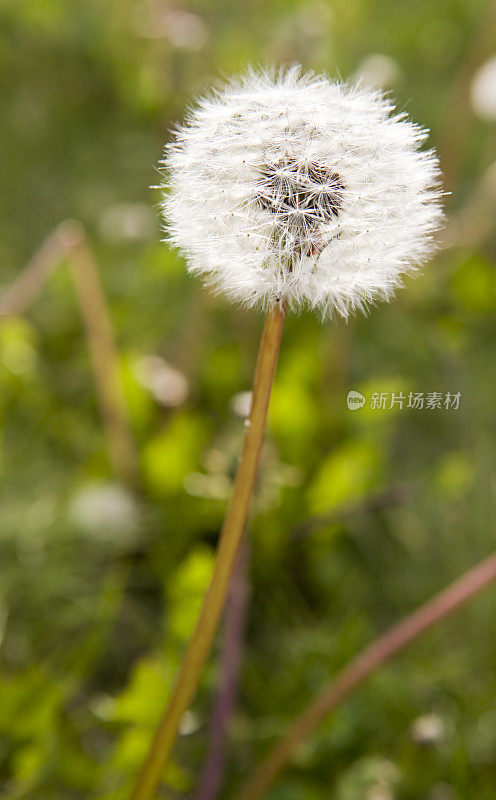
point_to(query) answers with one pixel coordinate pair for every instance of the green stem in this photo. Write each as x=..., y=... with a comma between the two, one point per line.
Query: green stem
x=237, y=514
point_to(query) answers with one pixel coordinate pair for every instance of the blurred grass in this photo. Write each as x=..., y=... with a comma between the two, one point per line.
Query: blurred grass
x=99, y=586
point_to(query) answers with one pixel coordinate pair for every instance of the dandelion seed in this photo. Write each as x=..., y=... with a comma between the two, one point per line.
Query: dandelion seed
x=286, y=185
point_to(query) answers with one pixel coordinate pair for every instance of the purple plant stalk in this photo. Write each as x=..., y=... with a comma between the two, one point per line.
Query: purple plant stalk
x=212, y=775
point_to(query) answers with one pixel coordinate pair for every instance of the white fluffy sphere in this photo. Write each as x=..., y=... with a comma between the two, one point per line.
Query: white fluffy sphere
x=287, y=186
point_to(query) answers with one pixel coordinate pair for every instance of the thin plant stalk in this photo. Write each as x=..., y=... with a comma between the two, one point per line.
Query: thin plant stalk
x=232, y=531
x=69, y=241
x=105, y=360
x=212, y=775
x=18, y=297
x=368, y=661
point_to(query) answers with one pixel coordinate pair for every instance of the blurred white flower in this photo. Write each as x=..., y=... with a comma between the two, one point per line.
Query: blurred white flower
x=428, y=729
x=182, y=28
x=241, y=404
x=285, y=185
x=127, y=222
x=378, y=71
x=190, y=723
x=106, y=511
x=166, y=384
x=483, y=90
x=369, y=778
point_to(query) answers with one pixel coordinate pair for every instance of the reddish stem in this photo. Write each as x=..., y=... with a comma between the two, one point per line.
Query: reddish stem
x=379, y=652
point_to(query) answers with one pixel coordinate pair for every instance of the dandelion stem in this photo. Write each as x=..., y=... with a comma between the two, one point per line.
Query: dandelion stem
x=232, y=531
x=382, y=650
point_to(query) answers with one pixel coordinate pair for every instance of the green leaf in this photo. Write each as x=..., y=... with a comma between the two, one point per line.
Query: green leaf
x=169, y=456
x=146, y=692
x=474, y=285
x=186, y=591
x=345, y=476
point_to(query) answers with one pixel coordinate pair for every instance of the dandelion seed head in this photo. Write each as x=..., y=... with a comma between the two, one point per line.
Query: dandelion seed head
x=286, y=185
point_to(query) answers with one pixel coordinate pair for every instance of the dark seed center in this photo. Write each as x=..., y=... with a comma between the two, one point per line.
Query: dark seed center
x=308, y=193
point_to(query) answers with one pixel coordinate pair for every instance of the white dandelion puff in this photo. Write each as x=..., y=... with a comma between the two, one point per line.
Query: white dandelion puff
x=286, y=186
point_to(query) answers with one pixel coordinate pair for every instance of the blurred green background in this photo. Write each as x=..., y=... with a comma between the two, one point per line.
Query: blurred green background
x=360, y=515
